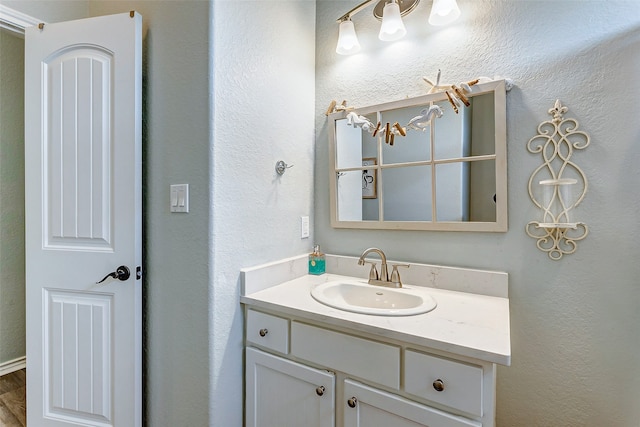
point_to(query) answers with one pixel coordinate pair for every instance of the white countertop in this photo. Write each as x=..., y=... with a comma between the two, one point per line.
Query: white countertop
x=464, y=323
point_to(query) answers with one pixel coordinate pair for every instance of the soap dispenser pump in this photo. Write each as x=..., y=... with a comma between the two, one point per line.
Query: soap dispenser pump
x=316, y=261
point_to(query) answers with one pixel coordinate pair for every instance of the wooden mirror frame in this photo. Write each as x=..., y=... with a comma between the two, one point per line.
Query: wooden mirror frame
x=498, y=88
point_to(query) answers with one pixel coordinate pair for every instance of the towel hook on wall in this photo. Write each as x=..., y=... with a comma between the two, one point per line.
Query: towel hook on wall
x=281, y=167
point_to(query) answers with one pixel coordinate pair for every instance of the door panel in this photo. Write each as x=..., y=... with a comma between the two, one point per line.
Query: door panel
x=78, y=354
x=83, y=220
x=77, y=155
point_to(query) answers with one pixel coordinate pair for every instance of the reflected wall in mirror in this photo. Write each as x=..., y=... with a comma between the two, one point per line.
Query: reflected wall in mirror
x=450, y=176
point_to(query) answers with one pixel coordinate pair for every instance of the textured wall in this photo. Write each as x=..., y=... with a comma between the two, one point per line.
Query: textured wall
x=575, y=342
x=12, y=308
x=263, y=62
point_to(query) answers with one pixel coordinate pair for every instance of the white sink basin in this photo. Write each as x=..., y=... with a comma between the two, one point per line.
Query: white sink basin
x=360, y=297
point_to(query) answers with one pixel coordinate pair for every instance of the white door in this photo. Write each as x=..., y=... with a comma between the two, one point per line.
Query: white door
x=282, y=393
x=368, y=407
x=83, y=220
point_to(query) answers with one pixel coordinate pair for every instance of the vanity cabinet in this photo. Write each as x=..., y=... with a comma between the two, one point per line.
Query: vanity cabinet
x=283, y=393
x=298, y=374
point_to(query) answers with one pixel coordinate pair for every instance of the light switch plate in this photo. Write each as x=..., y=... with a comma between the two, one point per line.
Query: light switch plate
x=304, y=227
x=179, y=198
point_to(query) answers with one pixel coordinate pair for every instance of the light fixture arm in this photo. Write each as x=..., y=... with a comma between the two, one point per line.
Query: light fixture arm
x=355, y=10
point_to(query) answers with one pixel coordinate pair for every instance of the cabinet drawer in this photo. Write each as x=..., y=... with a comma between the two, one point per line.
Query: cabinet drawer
x=268, y=331
x=360, y=357
x=366, y=406
x=460, y=383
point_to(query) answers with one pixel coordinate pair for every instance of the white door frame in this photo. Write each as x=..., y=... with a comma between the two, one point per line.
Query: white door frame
x=16, y=22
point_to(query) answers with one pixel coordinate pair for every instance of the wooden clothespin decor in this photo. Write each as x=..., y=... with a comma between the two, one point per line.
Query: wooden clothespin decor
x=332, y=107
x=461, y=96
x=451, y=101
x=473, y=82
x=400, y=129
x=375, y=132
x=458, y=92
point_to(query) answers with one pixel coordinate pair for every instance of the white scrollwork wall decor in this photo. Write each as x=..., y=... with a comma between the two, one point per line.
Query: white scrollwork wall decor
x=558, y=185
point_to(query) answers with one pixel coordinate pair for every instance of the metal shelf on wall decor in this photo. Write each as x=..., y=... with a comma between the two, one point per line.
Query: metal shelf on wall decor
x=556, y=141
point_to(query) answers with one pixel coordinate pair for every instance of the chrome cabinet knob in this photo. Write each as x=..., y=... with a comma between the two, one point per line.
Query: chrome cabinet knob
x=438, y=385
x=263, y=332
x=352, y=402
x=320, y=390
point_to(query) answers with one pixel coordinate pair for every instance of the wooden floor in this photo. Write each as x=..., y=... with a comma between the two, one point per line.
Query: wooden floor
x=13, y=404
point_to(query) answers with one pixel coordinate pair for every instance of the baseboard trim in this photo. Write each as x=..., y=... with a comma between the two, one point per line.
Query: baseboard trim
x=13, y=365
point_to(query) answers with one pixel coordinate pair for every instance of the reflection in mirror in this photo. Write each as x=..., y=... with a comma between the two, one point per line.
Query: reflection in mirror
x=407, y=193
x=449, y=176
x=350, y=196
x=482, y=191
x=355, y=144
x=414, y=147
x=452, y=192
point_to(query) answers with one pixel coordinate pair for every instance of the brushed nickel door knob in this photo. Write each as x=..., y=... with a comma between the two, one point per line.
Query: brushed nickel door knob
x=263, y=332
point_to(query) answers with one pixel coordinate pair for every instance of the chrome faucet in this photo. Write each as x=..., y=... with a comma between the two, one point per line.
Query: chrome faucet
x=382, y=279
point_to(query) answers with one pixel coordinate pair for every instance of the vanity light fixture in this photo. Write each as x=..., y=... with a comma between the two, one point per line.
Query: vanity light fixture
x=392, y=27
x=390, y=12
x=347, y=38
x=444, y=12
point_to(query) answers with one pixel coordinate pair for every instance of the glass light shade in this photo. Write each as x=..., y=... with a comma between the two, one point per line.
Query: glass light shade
x=392, y=27
x=444, y=12
x=347, y=39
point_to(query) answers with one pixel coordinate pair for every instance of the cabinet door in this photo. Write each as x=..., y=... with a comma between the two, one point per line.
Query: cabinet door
x=368, y=407
x=282, y=393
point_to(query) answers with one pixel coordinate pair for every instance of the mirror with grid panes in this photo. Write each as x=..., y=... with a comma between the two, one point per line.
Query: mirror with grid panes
x=451, y=176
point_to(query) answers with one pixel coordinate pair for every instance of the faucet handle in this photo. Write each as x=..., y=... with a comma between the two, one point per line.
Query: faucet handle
x=373, y=273
x=395, y=275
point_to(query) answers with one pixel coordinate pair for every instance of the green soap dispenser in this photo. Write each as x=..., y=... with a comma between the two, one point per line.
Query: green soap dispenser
x=316, y=261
